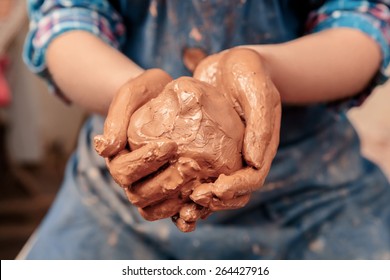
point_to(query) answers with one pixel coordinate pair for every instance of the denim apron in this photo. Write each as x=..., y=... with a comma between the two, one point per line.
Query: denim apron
x=321, y=199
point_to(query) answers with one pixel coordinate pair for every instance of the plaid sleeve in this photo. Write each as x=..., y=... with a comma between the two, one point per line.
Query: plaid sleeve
x=371, y=17
x=51, y=18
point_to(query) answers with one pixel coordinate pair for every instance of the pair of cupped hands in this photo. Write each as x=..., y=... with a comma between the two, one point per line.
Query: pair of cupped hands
x=188, y=147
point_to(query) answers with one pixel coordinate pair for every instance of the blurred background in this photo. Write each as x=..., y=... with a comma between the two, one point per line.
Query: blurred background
x=38, y=133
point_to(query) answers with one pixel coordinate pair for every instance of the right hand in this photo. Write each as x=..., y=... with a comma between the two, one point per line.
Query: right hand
x=241, y=75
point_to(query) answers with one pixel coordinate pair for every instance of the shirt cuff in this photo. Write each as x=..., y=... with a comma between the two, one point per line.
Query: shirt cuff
x=60, y=20
x=364, y=23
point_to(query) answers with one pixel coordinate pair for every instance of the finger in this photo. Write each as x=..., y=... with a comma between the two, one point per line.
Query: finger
x=229, y=191
x=128, y=167
x=164, y=184
x=191, y=212
x=248, y=82
x=162, y=210
x=188, y=188
x=130, y=97
x=182, y=225
x=235, y=203
x=186, y=219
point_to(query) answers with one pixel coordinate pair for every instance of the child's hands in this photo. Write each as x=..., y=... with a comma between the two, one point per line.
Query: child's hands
x=181, y=191
x=188, y=134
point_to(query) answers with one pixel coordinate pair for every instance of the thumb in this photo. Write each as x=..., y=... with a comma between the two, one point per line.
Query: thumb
x=130, y=97
x=248, y=83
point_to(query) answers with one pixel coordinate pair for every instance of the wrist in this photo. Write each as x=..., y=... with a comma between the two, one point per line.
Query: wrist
x=88, y=71
x=321, y=67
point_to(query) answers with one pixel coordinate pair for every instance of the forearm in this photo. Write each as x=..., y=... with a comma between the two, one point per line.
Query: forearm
x=88, y=71
x=325, y=66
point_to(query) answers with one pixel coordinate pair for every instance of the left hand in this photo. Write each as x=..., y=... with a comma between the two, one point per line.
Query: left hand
x=240, y=74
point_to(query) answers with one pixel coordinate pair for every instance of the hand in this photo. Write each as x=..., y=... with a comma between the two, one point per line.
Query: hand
x=238, y=74
x=188, y=127
x=241, y=76
x=140, y=139
x=168, y=193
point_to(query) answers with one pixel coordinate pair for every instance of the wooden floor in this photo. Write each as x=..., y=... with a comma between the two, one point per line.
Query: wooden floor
x=26, y=193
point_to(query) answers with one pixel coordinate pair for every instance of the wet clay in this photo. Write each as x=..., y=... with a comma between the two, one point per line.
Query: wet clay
x=201, y=128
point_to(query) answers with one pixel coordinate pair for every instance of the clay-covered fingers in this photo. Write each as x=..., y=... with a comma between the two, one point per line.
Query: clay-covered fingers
x=172, y=208
x=229, y=192
x=183, y=212
x=167, y=194
x=162, y=210
x=128, y=167
x=169, y=183
x=189, y=213
x=182, y=225
x=247, y=81
x=132, y=95
x=175, y=207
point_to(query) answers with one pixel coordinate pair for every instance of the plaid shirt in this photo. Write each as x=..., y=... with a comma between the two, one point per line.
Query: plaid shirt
x=50, y=18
